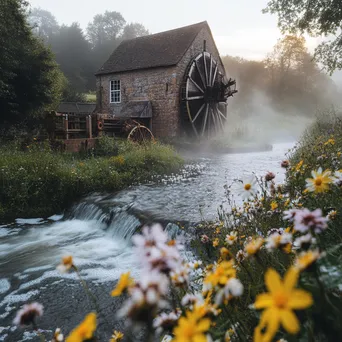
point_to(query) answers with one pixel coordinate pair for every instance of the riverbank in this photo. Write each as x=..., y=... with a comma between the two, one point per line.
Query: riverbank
x=39, y=182
x=290, y=231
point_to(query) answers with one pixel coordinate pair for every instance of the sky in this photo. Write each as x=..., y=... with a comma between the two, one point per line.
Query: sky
x=238, y=26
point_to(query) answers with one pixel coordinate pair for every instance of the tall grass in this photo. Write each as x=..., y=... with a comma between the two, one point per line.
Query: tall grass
x=40, y=182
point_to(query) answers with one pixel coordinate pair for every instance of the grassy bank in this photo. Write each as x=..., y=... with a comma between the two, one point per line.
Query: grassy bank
x=41, y=182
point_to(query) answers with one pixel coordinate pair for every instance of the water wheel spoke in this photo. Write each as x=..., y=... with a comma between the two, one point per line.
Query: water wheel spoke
x=205, y=119
x=219, y=116
x=195, y=98
x=196, y=85
x=211, y=70
x=219, y=112
x=198, y=113
x=214, y=76
x=200, y=73
x=205, y=69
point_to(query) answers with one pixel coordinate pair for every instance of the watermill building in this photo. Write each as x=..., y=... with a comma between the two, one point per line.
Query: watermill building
x=173, y=82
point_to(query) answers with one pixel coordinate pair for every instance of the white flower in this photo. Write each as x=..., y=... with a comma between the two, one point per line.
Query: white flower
x=180, y=276
x=337, y=177
x=28, y=314
x=233, y=288
x=167, y=338
x=191, y=299
x=275, y=240
x=246, y=188
x=166, y=321
x=58, y=336
x=195, y=264
x=306, y=219
x=290, y=214
x=231, y=238
x=241, y=255
x=304, y=240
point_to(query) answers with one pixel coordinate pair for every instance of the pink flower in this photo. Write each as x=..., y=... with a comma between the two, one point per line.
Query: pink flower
x=205, y=238
x=305, y=220
x=27, y=315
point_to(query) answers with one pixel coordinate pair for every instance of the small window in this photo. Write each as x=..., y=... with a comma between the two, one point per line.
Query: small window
x=115, y=91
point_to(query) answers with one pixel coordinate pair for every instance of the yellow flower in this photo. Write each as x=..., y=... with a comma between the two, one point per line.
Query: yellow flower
x=329, y=142
x=216, y=242
x=254, y=246
x=66, y=264
x=279, y=304
x=274, y=205
x=84, y=331
x=117, y=336
x=191, y=328
x=320, y=181
x=221, y=274
x=299, y=165
x=225, y=253
x=287, y=202
x=305, y=259
x=123, y=284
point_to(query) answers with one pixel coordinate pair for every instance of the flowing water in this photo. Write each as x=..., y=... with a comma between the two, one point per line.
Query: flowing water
x=98, y=231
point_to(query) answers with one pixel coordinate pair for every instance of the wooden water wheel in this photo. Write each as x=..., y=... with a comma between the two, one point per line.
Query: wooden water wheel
x=140, y=134
x=204, y=95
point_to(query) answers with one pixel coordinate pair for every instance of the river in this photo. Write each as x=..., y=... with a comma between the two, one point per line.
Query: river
x=97, y=232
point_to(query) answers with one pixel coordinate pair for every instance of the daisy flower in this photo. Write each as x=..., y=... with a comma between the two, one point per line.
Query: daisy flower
x=320, y=181
x=247, y=188
x=231, y=238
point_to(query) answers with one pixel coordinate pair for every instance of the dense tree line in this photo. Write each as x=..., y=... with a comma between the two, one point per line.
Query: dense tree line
x=80, y=54
x=288, y=79
x=30, y=80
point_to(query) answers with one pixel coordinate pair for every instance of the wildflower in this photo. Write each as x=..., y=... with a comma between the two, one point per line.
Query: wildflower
x=191, y=299
x=180, y=276
x=329, y=142
x=299, y=165
x=85, y=331
x=279, y=304
x=58, y=336
x=247, y=188
x=254, y=246
x=290, y=214
x=306, y=259
x=229, y=333
x=155, y=252
x=117, y=336
x=274, y=205
x=166, y=321
x=241, y=256
x=195, y=264
x=277, y=240
x=233, y=288
x=320, y=181
x=191, y=328
x=225, y=253
x=123, y=284
x=205, y=238
x=231, y=238
x=220, y=275
x=146, y=296
x=269, y=176
x=305, y=219
x=216, y=242
x=332, y=214
x=27, y=315
x=304, y=241
x=66, y=264
x=338, y=177
x=285, y=164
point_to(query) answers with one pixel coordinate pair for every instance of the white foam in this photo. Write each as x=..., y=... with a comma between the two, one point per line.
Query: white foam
x=5, y=285
x=30, y=221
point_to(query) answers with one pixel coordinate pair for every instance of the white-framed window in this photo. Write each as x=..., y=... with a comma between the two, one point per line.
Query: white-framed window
x=115, y=91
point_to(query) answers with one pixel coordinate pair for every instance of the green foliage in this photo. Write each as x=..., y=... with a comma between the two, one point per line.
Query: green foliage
x=36, y=181
x=316, y=18
x=29, y=78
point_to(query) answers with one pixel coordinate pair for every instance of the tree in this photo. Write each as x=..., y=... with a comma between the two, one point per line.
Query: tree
x=105, y=28
x=73, y=54
x=44, y=24
x=317, y=18
x=134, y=30
x=29, y=78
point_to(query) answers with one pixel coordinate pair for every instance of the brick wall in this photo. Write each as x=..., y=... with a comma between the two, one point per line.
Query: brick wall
x=161, y=86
